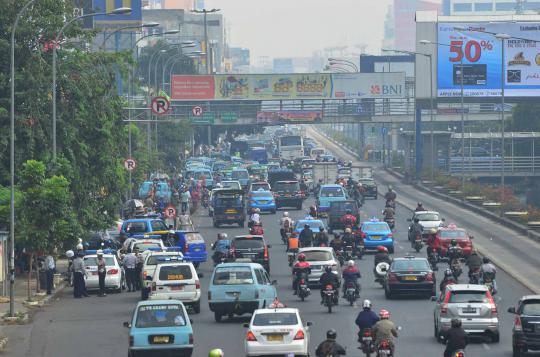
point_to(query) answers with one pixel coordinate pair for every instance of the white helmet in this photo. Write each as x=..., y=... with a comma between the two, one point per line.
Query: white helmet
x=224, y=235
x=99, y=252
x=257, y=210
x=366, y=304
x=350, y=263
x=219, y=185
x=70, y=254
x=79, y=246
x=285, y=214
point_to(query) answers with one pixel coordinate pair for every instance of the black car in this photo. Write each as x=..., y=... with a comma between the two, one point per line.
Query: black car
x=288, y=194
x=526, y=331
x=370, y=186
x=338, y=210
x=253, y=248
x=410, y=276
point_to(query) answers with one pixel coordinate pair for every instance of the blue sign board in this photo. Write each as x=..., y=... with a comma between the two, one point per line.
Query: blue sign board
x=115, y=21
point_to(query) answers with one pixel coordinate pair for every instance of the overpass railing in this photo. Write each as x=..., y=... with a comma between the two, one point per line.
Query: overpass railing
x=493, y=165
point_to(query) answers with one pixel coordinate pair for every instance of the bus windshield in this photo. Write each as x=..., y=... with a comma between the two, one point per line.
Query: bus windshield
x=290, y=140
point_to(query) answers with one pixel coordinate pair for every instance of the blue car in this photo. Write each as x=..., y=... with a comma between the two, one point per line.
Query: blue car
x=314, y=224
x=137, y=227
x=376, y=233
x=193, y=247
x=163, y=192
x=160, y=327
x=327, y=194
x=241, y=175
x=145, y=188
x=264, y=200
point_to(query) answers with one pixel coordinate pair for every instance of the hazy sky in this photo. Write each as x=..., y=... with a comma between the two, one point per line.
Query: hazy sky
x=293, y=28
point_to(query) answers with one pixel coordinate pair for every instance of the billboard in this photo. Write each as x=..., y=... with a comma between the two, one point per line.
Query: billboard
x=481, y=56
x=116, y=21
x=311, y=86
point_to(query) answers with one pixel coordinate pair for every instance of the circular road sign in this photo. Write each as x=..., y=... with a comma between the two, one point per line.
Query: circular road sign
x=160, y=105
x=197, y=111
x=130, y=164
x=169, y=211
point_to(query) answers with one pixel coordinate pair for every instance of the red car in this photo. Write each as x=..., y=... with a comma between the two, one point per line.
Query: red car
x=445, y=235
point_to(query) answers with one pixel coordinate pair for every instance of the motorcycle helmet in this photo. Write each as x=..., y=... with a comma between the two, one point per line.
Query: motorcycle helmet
x=328, y=269
x=70, y=254
x=486, y=260
x=453, y=242
x=285, y=214
x=79, y=246
x=216, y=353
x=366, y=304
x=416, y=220
x=99, y=252
x=350, y=263
x=321, y=229
x=257, y=210
x=390, y=188
x=447, y=273
x=306, y=226
x=433, y=230
x=456, y=323
x=331, y=334
x=348, y=230
x=348, y=211
x=419, y=204
x=384, y=314
x=382, y=249
x=301, y=257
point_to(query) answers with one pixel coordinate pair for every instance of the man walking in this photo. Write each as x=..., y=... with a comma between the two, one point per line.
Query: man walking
x=130, y=263
x=50, y=267
x=185, y=197
x=102, y=272
x=79, y=271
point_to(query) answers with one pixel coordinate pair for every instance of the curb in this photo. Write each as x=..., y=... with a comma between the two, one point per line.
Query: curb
x=505, y=267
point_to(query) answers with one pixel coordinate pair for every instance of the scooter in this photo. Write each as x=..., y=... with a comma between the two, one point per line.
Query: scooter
x=291, y=257
x=348, y=254
x=391, y=221
x=380, y=272
x=418, y=244
x=303, y=291
x=329, y=297
x=350, y=293
x=384, y=349
x=366, y=340
x=488, y=280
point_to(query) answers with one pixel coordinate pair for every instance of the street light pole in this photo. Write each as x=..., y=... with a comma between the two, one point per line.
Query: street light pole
x=146, y=25
x=118, y=11
x=502, y=37
x=12, y=163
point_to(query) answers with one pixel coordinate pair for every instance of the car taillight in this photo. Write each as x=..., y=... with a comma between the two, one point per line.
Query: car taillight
x=266, y=253
x=363, y=235
x=444, y=306
x=367, y=332
x=209, y=295
x=390, y=234
x=153, y=286
x=113, y=271
x=493, y=306
x=197, y=284
x=185, y=247
x=299, y=335
x=385, y=344
x=250, y=336
x=517, y=324
x=130, y=341
x=329, y=287
x=232, y=251
x=429, y=277
x=392, y=277
x=145, y=274
x=460, y=354
x=191, y=339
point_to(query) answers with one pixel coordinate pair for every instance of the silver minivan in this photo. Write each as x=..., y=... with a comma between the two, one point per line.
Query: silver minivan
x=319, y=258
x=473, y=304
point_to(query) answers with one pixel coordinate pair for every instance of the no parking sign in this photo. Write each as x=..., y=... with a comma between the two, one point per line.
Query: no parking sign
x=169, y=211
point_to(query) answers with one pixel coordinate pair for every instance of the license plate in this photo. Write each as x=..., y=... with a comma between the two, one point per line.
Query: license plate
x=287, y=195
x=274, y=338
x=385, y=352
x=197, y=249
x=160, y=339
x=469, y=310
x=230, y=217
x=367, y=338
x=263, y=202
x=177, y=287
x=411, y=278
x=230, y=211
x=375, y=237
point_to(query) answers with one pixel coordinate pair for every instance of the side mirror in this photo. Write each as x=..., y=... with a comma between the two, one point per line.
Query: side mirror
x=246, y=325
x=409, y=219
x=190, y=321
x=309, y=323
x=433, y=298
x=201, y=275
x=274, y=282
x=127, y=324
x=512, y=310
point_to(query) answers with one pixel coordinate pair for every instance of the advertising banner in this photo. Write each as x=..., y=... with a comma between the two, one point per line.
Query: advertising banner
x=289, y=116
x=116, y=21
x=309, y=86
x=482, y=64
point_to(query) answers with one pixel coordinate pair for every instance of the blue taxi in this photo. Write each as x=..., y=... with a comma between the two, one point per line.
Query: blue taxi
x=314, y=224
x=376, y=233
x=140, y=227
x=262, y=199
x=160, y=327
x=327, y=194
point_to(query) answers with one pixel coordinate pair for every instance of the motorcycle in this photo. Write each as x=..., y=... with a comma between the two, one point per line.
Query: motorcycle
x=340, y=255
x=391, y=221
x=350, y=293
x=348, y=254
x=329, y=297
x=360, y=249
x=366, y=339
x=455, y=266
x=220, y=257
x=380, y=272
x=488, y=280
x=384, y=349
x=459, y=353
x=418, y=244
x=303, y=290
x=433, y=258
x=474, y=276
x=291, y=257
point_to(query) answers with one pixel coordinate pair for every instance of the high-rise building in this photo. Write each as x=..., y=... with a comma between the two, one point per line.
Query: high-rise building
x=490, y=7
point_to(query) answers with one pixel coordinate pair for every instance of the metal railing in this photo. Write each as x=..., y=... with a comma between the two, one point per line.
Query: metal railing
x=493, y=165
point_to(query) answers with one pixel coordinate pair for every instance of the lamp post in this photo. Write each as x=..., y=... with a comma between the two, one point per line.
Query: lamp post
x=430, y=56
x=12, y=163
x=428, y=42
x=118, y=11
x=145, y=25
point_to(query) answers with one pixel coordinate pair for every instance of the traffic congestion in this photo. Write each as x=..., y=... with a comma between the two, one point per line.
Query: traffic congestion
x=294, y=252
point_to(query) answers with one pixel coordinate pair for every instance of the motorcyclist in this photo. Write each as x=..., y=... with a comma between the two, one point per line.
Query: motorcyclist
x=454, y=251
x=382, y=256
x=321, y=238
x=328, y=278
x=487, y=269
x=348, y=238
x=385, y=329
x=419, y=207
x=455, y=338
x=390, y=195
x=255, y=217
x=329, y=347
x=306, y=236
x=257, y=229
x=388, y=213
x=447, y=280
x=313, y=211
x=351, y=274
x=431, y=248
x=336, y=243
x=299, y=268
x=318, y=186
x=348, y=219
x=286, y=224
x=357, y=193
x=366, y=318
x=474, y=262
x=221, y=247
x=415, y=229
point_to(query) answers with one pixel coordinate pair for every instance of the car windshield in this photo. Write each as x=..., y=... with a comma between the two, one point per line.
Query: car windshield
x=154, y=259
x=410, y=265
x=247, y=243
x=331, y=192
x=531, y=308
x=428, y=217
x=342, y=206
x=261, y=194
x=92, y=261
x=318, y=255
x=286, y=186
x=135, y=227
x=275, y=319
x=231, y=185
x=453, y=234
x=256, y=186
x=202, y=174
x=145, y=246
x=164, y=315
x=240, y=175
x=233, y=276
x=194, y=237
x=374, y=227
x=366, y=182
x=228, y=201
x=158, y=225
x=468, y=296
x=175, y=272
x=312, y=224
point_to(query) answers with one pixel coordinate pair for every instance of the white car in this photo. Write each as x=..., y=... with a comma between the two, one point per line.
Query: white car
x=234, y=184
x=149, y=267
x=319, y=258
x=279, y=331
x=428, y=220
x=176, y=280
x=143, y=244
x=113, y=279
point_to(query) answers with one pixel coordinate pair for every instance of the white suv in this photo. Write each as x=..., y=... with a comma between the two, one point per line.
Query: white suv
x=150, y=263
x=177, y=280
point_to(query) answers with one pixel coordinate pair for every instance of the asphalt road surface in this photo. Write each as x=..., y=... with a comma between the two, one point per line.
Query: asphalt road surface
x=93, y=326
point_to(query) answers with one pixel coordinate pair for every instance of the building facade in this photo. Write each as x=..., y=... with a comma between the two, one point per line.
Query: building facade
x=490, y=7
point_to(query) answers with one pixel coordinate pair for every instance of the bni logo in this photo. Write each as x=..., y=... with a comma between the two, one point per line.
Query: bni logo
x=375, y=89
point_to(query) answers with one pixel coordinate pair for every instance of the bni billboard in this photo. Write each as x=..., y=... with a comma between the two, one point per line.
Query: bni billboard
x=482, y=64
x=116, y=21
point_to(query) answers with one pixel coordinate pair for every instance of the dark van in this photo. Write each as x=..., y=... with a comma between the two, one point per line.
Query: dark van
x=338, y=210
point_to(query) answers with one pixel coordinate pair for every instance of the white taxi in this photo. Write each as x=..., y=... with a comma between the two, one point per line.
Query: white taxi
x=113, y=279
x=277, y=330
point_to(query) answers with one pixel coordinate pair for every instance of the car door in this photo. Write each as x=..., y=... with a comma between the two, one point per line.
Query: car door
x=268, y=290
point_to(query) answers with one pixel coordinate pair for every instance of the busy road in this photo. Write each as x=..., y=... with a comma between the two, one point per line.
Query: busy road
x=93, y=325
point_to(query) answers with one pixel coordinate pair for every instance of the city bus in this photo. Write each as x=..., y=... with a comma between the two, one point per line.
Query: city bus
x=290, y=147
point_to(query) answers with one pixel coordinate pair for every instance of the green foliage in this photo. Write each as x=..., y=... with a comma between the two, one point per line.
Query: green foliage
x=525, y=117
